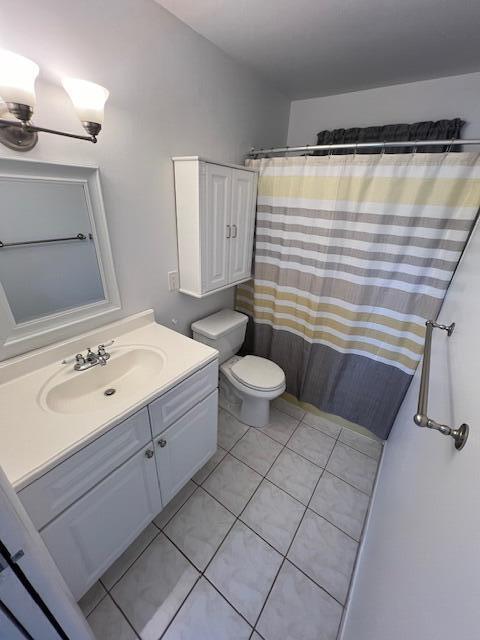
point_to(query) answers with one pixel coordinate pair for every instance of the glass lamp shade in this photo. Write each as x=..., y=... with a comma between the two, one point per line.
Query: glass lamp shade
x=17, y=78
x=88, y=99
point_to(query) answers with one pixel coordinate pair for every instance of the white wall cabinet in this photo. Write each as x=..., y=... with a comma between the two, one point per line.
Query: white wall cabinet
x=215, y=224
x=90, y=507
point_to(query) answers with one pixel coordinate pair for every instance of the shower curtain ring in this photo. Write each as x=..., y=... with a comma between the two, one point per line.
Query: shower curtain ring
x=355, y=150
x=414, y=148
x=306, y=150
x=383, y=147
x=450, y=146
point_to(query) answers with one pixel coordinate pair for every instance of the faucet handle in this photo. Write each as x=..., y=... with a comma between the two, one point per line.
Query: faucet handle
x=90, y=355
x=79, y=359
x=101, y=347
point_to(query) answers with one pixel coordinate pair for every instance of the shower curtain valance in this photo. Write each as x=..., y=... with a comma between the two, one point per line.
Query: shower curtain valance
x=352, y=255
x=440, y=130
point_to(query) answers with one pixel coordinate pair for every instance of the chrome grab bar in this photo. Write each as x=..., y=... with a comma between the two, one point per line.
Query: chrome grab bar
x=421, y=418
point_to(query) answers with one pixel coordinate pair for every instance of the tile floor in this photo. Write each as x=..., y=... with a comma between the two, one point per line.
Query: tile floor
x=260, y=545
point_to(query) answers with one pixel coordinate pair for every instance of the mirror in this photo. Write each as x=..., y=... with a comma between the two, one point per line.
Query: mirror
x=56, y=268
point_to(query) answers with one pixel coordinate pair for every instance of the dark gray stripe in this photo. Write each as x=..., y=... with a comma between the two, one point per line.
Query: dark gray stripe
x=342, y=267
x=347, y=385
x=418, y=304
x=372, y=238
x=414, y=261
x=373, y=218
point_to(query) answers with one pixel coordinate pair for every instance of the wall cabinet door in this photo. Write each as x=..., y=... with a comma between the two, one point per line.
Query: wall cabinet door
x=86, y=538
x=186, y=446
x=242, y=224
x=216, y=229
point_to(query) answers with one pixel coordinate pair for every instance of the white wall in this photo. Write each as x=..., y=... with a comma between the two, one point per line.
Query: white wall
x=455, y=96
x=419, y=570
x=171, y=93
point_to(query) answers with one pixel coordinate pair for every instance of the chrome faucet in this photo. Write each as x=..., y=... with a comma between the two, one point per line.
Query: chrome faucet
x=91, y=359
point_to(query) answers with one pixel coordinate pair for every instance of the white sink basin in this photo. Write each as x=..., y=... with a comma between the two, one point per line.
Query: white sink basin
x=128, y=371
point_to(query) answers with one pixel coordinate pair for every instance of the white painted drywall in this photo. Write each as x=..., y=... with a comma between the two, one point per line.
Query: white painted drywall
x=172, y=93
x=455, y=96
x=419, y=570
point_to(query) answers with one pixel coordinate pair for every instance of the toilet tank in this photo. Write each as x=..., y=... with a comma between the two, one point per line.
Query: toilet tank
x=224, y=331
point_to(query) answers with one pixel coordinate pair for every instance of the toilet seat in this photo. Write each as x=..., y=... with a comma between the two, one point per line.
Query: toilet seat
x=258, y=373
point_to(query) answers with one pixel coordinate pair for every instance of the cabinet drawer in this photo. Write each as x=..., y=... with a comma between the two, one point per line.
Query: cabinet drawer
x=54, y=492
x=87, y=538
x=176, y=402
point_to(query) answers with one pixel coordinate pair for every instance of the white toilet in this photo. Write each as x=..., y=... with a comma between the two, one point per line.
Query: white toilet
x=248, y=384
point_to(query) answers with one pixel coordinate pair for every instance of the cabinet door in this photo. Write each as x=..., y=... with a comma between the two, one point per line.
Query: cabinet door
x=86, y=538
x=242, y=224
x=186, y=446
x=216, y=229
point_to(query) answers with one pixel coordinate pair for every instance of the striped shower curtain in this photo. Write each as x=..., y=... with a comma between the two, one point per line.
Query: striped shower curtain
x=352, y=255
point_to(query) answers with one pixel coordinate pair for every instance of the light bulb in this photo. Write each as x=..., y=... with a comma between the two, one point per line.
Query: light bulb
x=88, y=99
x=17, y=79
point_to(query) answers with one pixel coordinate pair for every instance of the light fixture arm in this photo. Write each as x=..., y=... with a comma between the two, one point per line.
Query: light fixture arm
x=31, y=128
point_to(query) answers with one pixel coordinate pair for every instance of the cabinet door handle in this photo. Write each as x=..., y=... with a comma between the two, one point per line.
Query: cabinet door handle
x=162, y=443
x=229, y=231
x=234, y=227
x=149, y=453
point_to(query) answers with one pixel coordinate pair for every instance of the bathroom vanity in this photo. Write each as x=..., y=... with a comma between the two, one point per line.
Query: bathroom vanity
x=93, y=469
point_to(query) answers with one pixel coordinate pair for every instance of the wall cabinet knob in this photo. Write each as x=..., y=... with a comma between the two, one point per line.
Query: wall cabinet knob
x=162, y=443
x=149, y=453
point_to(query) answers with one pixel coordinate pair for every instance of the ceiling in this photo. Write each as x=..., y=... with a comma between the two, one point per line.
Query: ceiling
x=310, y=48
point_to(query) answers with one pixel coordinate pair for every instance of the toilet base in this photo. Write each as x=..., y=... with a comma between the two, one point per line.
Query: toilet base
x=251, y=410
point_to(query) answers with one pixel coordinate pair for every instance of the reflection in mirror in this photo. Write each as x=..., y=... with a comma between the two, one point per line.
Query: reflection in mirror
x=56, y=270
x=43, y=278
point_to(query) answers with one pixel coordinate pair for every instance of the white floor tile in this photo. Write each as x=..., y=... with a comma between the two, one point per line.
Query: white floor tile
x=257, y=450
x=322, y=424
x=289, y=408
x=352, y=466
x=154, y=587
x=295, y=475
x=207, y=468
x=244, y=569
x=230, y=430
x=368, y=446
x=311, y=444
x=128, y=557
x=274, y=515
x=297, y=609
x=174, y=505
x=89, y=601
x=232, y=483
x=281, y=426
x=324, y=553
x=205, y=615
x=108, y=623
x=199, y=527
x=341, y=504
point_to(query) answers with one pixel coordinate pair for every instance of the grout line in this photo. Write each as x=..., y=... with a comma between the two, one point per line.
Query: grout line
x=126, y=618
x=345, y=444
x=109, y=589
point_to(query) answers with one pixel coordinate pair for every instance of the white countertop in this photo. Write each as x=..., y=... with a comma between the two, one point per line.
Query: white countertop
x=33, y=438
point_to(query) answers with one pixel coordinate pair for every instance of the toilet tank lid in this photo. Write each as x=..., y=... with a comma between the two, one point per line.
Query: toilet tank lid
x=219, y=323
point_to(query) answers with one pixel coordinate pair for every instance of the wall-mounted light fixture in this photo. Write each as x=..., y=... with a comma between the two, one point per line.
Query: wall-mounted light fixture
x=17, y=90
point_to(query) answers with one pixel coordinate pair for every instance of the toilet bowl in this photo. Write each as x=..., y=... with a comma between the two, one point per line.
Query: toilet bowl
x=247, y=384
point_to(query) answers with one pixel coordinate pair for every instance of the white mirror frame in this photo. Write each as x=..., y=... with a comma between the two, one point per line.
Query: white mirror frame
x=17, y=338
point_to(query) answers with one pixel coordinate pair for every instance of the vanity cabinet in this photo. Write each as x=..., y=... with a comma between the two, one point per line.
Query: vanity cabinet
x=215, y=224
x=92, y=506
x=90, y=535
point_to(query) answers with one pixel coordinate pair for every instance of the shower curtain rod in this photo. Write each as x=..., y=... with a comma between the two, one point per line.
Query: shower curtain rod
x=362, y=145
